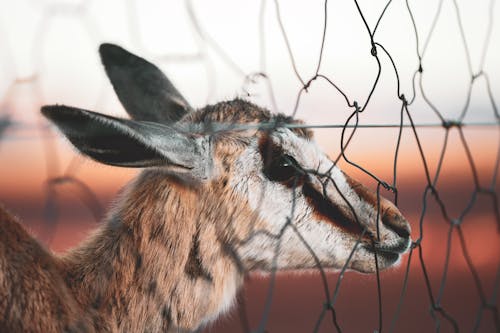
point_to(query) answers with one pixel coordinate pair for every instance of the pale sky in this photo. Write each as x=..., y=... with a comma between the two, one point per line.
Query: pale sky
x=57, y=41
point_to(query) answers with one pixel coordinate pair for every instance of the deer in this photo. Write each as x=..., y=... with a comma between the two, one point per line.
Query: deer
x=217, y=197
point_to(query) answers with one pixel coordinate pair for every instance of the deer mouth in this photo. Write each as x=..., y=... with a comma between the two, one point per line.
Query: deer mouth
x=389, y=252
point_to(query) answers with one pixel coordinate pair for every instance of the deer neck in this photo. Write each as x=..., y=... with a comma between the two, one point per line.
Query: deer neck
x=158, y=263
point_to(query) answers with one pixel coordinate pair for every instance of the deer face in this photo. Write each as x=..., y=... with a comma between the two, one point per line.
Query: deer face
x=313, y=212
x=310, y=213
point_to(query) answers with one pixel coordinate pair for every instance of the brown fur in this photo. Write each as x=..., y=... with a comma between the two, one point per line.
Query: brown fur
x=164, y=260
x=239, y=111
x=130, y=275
x=159, y=262
x=33, y=295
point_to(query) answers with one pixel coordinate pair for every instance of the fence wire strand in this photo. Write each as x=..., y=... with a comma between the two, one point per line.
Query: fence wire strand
x=456, y=237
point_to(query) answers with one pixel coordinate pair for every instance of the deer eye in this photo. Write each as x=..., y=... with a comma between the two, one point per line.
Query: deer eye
x=283, y=168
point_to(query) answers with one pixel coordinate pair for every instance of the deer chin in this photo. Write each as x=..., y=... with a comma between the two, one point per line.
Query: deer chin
x=370, y=257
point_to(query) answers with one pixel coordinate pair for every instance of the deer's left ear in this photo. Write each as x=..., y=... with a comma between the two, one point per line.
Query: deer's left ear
x=129, y=143
x=142, y=88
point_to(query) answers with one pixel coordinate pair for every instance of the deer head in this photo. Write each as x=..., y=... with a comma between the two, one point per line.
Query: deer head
x=304, y=211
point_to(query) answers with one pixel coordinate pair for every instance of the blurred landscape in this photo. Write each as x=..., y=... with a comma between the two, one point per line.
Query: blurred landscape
x=48, y=55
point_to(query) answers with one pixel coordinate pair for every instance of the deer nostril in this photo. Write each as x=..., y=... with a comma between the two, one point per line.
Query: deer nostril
x=397, y=223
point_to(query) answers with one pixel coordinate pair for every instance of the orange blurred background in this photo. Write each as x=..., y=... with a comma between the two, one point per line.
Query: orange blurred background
x=48, y=54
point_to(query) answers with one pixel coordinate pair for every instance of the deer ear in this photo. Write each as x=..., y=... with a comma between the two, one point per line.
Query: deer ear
x=129, y=143
x=144, y=91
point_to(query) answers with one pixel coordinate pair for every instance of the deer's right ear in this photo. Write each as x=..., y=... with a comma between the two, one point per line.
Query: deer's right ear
x=129, y=143
x=142, y=88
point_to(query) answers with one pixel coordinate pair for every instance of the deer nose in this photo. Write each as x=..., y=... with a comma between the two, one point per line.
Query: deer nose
x=392, y=219
x=395, y=221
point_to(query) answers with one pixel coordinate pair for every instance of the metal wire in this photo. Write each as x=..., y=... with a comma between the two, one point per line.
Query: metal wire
x=12, y=129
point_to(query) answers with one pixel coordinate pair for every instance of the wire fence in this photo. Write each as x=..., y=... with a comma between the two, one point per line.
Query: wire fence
x=484, y=188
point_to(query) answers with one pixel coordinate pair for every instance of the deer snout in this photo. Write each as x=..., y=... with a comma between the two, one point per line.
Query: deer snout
x=395, y=230
x=395, y=221
x=392, y=232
